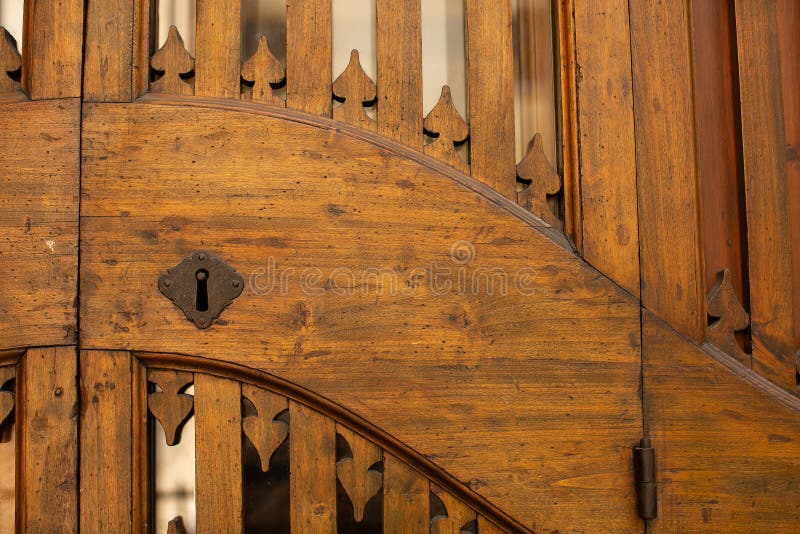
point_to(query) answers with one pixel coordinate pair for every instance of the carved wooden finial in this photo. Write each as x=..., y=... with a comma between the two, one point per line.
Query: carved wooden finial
x=10, y=61
x=449, y=128
x=176, y=526
x=543, y=180
x=6, y=402
x=359, y=481
x=171, y=406
x=173, y=60
x=263, y=431
x=263, y=69
x=724, y=305
x=458, y=514
x=355, y=89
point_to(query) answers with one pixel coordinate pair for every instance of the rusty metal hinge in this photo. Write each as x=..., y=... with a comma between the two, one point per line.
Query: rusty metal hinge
x=644, y=468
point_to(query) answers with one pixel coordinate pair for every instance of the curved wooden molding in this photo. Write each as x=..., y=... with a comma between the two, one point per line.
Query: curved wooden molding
x=355, y=89
x=185, y=364
x=450, y=129
x=543, y=180
x=724, y=305
x=173, y=60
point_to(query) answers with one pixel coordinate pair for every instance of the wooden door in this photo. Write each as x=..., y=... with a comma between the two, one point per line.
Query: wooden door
x=358, y=327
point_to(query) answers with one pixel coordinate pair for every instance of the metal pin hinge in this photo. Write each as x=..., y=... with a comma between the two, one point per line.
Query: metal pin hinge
x=644, y=468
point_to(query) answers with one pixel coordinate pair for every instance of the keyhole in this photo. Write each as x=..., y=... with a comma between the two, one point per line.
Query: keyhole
x=201, y=298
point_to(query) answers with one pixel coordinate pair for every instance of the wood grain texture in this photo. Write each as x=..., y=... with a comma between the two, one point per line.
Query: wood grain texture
x=52, y=49
x=607, y=159
x=399, y=50
x=108, y=51
x=669, y=242
x=263, y=431
x=312, y=460
x=769, y=242
x=218, y=449
x=358, y=480
x=406, y=498
x=731, y=317
x=727, y=454
x=218, y=49
x=263, y=69
x=308, y=56
x=458, y=514
x=140, y=448
x=7, y=401
x=499, y=370
x=105, y=441
x=354, y=88
x=490, y=80
x=543, y=180
x=171, y=406
x=449, y=128
x=48, y=427
x=173, y=60
x=38, y=222
x=10, y=61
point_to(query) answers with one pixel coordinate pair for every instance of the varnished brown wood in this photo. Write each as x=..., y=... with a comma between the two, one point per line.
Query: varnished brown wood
x=140, y=448
x=770, y=247
x=175, y=526
x=355, y=88
x=108, y=54
x=458, y=514
x=173, y=60
x=171, y=406
x=218, y=48
x=313, y=472
x=399, y=50
x=542, y=180
x=308, y=56
x=38, y=222
x=727, y=452
x=10, y=61
x=490, y=74
x=604, y=100
x=218, y=446
x=48, y=437
x=7, y=401
x=669, y=243
x=263, y=431
x=731, y=317
x=450, y=129
x=487, y=527
x=359, y=481
x=105, y=442
x=52, y=49
x=405, y=498
x=263, y=69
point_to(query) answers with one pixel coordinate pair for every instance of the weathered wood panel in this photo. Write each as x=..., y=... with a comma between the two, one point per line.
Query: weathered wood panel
x=728, y=455
x=308, y=56
x=105, y=442
x=38, y=222
x=551, y=363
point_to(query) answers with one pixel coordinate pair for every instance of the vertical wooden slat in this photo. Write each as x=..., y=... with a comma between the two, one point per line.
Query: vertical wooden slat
x=312, y=450
x=218, y=48
x=308, y=56
x=48, y=440
x=105, y=448
x=490, y=72
x=607, y=150
x=8, y=451
x=52, y=48
x=669, y=243
x=406, y=498
x=399, y=51
x=766, y=191
x=218, y=451
x=108, y=54
x=142, y=453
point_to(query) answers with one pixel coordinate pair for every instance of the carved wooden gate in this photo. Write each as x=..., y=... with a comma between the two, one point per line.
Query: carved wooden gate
x=368, y=330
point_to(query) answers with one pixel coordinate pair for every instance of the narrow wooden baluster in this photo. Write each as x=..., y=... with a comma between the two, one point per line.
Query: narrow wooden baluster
x=48, y=436
x=10, y=61
x=170, y=406
x=263, y=431
x=218, y=49
x=355, y=88
x=544, y=180
x=406, y=499
x=490, y=72
x=106, y=462
x=263, y=69
x=218, y=453
x=308, y=56
x=140, y=446
x=487, y=527
x=769, y=240
x=7, y=401
x=312, y=450
x=173, y=60
x=399, y=51
x=108, y=54
x=449, y=128
x=458, y=514
x=53, y=48
x=731, y=317
x=360, y=483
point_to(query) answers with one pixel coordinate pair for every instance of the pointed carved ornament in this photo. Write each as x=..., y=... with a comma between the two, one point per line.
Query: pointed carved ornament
x=176, y=526
x=724, y=305
x=543, y=180
x=449, y=128
x=263, y=431
x=171, y=406
x=6, y=402
x=355, y=88
x=458, y=514
x=173, y=60
x=359, y=481
x=263, y=69
x=10, y=61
